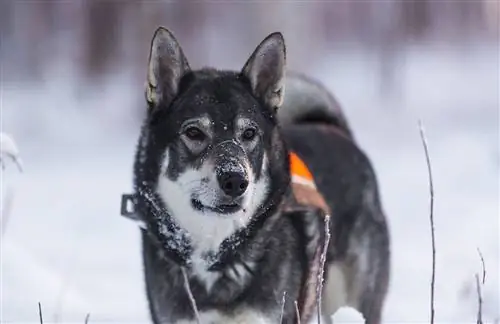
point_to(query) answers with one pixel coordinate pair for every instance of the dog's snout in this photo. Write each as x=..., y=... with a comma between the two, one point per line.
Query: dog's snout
x=233, y=184
x=232, y=175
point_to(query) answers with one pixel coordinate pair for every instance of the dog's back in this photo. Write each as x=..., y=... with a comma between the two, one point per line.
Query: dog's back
x=358, y=256
x=308, y=102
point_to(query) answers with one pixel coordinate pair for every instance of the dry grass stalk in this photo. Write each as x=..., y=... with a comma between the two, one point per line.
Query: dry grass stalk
x=297, y=313
x=40, y=315
x=479, y=301
x=190, y=295
x=431, y=216
x=483, y=265
x=283, y=306
x=319, y=290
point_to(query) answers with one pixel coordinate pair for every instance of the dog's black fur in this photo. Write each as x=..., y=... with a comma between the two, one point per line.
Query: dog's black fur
x=268, y=257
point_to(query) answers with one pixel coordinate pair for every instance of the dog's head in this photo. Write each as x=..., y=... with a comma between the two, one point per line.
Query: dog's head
x=211, y=143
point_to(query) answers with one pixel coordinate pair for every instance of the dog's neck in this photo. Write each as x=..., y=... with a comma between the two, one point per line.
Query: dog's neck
x=248, y=236
x=176, y=244
x=172, y=241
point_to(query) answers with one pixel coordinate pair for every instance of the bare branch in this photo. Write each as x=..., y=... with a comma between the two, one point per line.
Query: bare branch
x=319, y=289
x=297, y=313
x=431, y=188
x=283, y=306
x=87, y=318
x=40, y=312
x=190, y=295
x=483, y=265
x=479, y=301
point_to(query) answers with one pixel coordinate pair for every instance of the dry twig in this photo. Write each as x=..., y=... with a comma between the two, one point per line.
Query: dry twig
x=483, y=265
x=87, y=318
x=479, y=301
x=40, y=312
x=319, y=290
x=478, y=287
x=297, y=313
x=283, y=306
x=190, y=295
x=431, y=188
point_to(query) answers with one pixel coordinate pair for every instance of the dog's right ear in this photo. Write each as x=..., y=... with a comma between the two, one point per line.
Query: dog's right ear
x=265, y=69
x=167, y=64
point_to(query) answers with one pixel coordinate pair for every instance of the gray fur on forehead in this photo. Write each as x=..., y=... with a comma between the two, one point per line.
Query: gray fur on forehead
x=228, y=92
x=203, y=97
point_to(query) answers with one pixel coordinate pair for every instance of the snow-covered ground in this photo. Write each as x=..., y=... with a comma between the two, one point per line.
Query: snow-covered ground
x=67, y=247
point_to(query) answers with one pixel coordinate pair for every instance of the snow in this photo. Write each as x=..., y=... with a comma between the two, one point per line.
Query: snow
x=68, y=247
x=8, y=149
x=348, y=315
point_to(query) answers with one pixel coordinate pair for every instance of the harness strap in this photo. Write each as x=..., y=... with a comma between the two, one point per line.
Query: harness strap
x=307, y=194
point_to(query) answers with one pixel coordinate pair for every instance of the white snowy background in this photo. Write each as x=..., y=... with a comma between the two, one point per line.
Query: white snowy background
x=66, y=245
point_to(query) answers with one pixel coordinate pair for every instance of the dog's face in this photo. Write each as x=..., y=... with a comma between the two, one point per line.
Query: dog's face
x=214, y=164
x=211, y=134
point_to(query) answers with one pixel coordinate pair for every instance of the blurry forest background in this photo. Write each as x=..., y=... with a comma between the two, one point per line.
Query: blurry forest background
x=101, y=36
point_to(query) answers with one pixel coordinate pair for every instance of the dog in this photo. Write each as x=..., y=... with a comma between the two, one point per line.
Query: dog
x=225, y=239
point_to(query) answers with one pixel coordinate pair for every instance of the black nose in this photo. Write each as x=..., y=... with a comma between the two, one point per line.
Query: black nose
x=233, y=184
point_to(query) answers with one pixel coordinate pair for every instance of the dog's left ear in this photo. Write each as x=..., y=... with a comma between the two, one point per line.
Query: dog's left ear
x=167, y=65
x=265, y=69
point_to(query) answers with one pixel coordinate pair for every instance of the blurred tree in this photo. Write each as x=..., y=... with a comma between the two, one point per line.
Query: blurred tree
x=102, y=35
x=469, y=17
x=332, y=18
x=389, y=43
x=6, y=9
x=415, y=18
x=491, y=11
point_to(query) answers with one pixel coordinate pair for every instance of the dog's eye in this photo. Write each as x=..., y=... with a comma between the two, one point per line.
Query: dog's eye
x=249, y=134
x=194, y=134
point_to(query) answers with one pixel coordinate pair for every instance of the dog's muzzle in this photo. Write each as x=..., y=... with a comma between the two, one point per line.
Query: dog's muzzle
x=232, y=176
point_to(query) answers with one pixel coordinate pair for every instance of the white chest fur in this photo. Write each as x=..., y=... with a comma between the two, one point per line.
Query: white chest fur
x=236, y=272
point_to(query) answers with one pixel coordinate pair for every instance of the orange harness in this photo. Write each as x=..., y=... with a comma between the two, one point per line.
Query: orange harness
x=303, y=185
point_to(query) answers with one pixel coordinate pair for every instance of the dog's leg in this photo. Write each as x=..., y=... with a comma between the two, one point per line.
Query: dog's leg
x=371, y=302
x=350, y=283
x=335, y=294
x=373, y=269
x=366, y=271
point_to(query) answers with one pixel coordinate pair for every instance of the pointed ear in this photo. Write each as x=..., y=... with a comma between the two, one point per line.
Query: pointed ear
x=167, y=64
x=266, y=70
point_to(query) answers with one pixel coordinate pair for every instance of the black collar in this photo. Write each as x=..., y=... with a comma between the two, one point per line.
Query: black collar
x=173, y=241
